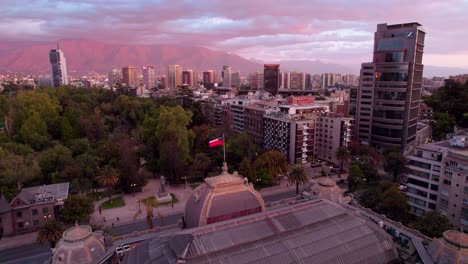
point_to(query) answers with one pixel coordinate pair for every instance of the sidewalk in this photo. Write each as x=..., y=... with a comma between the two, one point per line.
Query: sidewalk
x=129, y=212
x=18, y=240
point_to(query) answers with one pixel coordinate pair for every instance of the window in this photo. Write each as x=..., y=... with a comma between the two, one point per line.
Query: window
x=447, y=182
x=444, y=192
x=432, y=206
x=434, y=187
x=34, y=212
x=19, y=214
x=465, y=200
x=449, y=173
x=20, y=225
x=36, y=222
x=443, y=202
x=45, y=210
x=433, y=197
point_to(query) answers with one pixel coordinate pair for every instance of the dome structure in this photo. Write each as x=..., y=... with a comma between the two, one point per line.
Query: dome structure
x=79, y=244
x=221, y=198
x=326, y=188
x=451, y=248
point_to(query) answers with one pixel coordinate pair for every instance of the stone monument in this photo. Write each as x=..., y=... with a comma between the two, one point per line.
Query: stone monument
x=163, y=196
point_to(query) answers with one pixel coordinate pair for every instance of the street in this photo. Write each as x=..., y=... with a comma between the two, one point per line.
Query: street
x=37, y=253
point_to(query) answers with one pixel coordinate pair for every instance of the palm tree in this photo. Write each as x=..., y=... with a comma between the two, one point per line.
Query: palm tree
x=202, y=163
x=342, y=153
x=108, y=178
x=298, y=177
x=51, y=231
x=149, y=203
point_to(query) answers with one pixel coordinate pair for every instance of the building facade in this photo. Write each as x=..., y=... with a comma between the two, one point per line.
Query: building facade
x=174, y=75
x=226, y=75
x=129, y=76
x=114, y=77
x=438, y=180
x=188, y=78
x=58, y=65
x=256, y=81
x=296, y=81
x=271, y=73
x=331, y=132
x=236, y=79
x=31, y=208
x=397, y=85
x=149, y=78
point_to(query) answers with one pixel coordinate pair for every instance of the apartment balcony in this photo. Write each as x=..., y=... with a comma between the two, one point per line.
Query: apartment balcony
x=304, y=144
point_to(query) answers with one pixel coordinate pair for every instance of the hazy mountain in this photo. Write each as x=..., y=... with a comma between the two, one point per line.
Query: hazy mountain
x=84, y=56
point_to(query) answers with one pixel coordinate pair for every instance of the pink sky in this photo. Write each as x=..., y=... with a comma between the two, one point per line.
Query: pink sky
x=331, y=31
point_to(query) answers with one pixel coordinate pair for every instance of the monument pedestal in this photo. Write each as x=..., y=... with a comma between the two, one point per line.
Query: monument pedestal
x=163, y=198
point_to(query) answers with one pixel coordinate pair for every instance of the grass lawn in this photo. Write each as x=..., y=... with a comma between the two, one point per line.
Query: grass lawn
x=116, y=202
x=95, y=195
x=156, y=204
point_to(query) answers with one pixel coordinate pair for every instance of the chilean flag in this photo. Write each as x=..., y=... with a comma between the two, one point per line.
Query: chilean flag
x=216, y=142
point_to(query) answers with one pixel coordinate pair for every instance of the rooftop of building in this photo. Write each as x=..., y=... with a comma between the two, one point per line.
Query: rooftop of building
x=310, y=232
x=44, y=193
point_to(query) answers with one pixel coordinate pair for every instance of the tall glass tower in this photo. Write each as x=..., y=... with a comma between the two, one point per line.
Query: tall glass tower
x=59, y=67
x=389, y=92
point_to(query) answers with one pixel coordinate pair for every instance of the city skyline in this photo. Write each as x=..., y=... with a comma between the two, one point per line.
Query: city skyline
x=332, y=32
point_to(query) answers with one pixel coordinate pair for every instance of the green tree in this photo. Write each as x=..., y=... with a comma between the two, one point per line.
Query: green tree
x=442, y=124
x=53, y=160
x=298, y=177
x=342, y=153
x=394, y=204
x=174, y=139
x=202, y=163
x=17, y=169
x=273, y=161
x=372, y=198
x=395, y=164
x=246, y=170
x=34, y=131
x=107, y=178
x=262, y=178
x=433, y=224
x=51, y=231
x=77, y=209
x=355, y=177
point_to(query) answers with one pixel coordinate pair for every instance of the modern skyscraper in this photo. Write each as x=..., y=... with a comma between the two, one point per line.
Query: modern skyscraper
x=391, y=86
x=115, y=77
x=226, y=75
x=236, y=79
x=129, y=76
x=271, y=80
x=188, y=78
x=59, y=67
x=174, y=74
x=297, y=81
x=149, y=79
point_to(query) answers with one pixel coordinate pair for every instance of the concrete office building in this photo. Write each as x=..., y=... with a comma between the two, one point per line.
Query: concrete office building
x=188, y=78
x=271, y=78
x=149, y=78
x=174, y=75
x=296, y=81
x=129, y=76
x=393, y=82
x=226, y=75
x=331, y=132
x=438, y=180
x=236, y=79
x=256, y=81
x=114, y=77
x=58, y=65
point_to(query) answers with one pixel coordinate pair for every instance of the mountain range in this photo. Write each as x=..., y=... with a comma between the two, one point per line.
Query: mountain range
x=85, y=56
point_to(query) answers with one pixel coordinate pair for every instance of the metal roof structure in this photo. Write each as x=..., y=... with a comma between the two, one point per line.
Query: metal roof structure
x=317, y=231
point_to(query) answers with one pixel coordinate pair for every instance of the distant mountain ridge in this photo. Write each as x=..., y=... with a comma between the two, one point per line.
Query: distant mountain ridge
x=85, y=56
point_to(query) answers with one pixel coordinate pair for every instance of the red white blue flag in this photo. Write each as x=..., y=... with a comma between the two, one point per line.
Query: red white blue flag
x=216, y=142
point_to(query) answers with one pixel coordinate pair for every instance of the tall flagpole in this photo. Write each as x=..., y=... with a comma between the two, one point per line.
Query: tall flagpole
x=224, y=148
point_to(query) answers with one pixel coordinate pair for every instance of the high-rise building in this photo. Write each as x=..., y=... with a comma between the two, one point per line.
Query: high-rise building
x=271, y=78
x=149, y=79
x=236, y=79
x=286, y=80
x=59, y=67
x=174, y=74
x=188, y=78
x=115, y=77
x=129, y=76
x=296, y=81
x=256, y=81
x=226, y=75
x=390, y=87
x=308, y=81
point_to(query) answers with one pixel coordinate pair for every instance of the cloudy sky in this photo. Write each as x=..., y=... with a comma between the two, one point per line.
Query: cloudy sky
x=331, y=31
